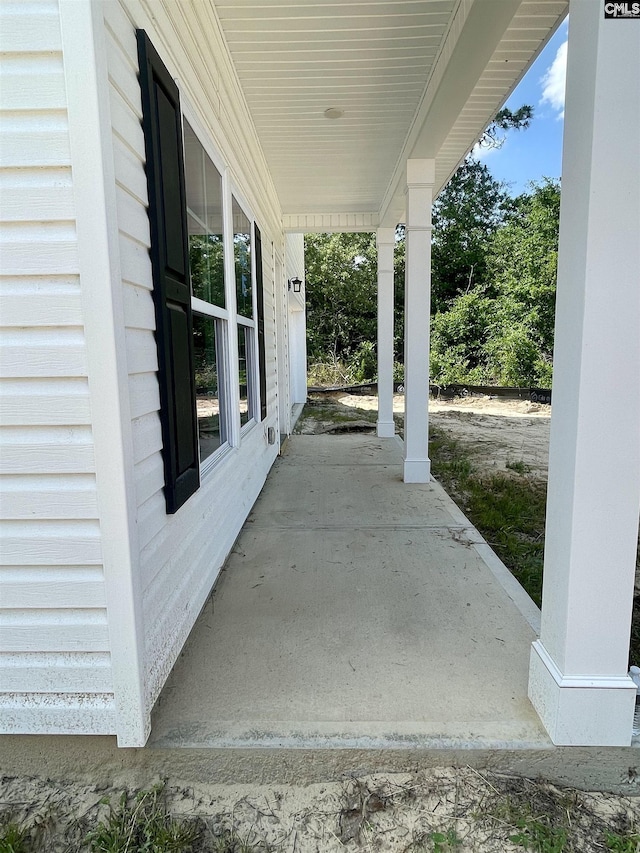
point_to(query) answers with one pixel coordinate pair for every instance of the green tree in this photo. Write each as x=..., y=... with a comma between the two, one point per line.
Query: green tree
x=506, y=119
x=341, y=275
x=522, y=266
x=501, y=331
x=466, y=215
x=458, y=340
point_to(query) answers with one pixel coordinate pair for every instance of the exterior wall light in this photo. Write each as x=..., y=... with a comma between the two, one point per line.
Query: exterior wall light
x=295, y=284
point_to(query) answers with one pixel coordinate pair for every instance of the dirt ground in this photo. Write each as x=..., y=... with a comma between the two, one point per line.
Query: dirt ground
x=494, y=430
x=444, y=809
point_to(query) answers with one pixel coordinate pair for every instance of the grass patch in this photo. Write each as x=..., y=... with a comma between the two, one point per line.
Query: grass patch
x=13, y=838
x=542, y=818
x=538, y=836
x=143, y=823
x=519, y=466
x=627, y=843
x=508, y=511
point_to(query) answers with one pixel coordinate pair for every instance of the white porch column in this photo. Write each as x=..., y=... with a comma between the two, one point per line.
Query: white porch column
x=578, y=681
x=417, y=301
x=386, y=240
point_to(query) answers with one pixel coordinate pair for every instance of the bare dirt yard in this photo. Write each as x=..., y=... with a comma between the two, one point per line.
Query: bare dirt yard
x=445, y=809
x=495, y=431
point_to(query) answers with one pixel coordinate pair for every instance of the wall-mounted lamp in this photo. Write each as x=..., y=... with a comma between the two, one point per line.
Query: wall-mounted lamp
x=295, y=284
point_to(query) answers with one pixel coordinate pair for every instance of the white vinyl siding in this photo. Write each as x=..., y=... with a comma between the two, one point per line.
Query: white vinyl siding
x=270, y=328
x=294, y=264
x=55, y=667
x=181, y=555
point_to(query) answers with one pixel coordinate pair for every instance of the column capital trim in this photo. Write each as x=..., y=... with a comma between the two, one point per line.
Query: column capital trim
x=421, y=172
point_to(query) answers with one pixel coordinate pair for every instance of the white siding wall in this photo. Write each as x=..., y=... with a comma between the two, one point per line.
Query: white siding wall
x=55, y=668
x=282, y=337
x=181, y=555
x=56, y=661
x=297, y=320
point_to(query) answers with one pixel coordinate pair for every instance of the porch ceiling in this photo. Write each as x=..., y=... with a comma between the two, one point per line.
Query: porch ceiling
x=410, y=77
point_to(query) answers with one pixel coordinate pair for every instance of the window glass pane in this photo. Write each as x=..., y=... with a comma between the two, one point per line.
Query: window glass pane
x=245, y=375
x=213, y=184
x=206, y=257
x=242, y=257
x=204, y=206
x=198, y=257
x=194, y=175
x=211, y=432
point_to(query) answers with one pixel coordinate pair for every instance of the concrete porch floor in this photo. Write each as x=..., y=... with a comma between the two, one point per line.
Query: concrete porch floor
x=355, y=612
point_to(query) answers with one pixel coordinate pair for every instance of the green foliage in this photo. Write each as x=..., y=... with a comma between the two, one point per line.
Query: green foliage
x=445, y=842
x=206, y=262
x=142, y=826
x=506, y=119
x=511, y=356
x=341, y=274
x=520, y=467
x=501, y=331
x=13, y=838
x=458, y=340
x=523, y=268
x=341, y=284
x=364, y=362
x=627, y=843
x=466, y=215
x=494, y=262
x=508, y=511
x=538, y=836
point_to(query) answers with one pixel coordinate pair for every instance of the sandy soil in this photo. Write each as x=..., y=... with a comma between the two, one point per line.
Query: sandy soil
x=495, y=431
x=395, y=813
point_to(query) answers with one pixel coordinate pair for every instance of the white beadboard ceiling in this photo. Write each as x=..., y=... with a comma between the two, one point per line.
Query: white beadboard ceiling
x=410, y=77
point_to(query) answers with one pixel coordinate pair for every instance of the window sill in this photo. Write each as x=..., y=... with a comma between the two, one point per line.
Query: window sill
x=214, y=459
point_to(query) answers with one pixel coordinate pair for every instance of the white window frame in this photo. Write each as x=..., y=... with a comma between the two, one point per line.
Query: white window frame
x=253, y=386
x=221, y=316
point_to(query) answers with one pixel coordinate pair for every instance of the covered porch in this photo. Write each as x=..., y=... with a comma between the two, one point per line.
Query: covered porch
x=355, y=612
x=357, y=139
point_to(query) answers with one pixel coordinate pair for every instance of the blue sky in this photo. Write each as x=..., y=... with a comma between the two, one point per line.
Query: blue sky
x=535, y=153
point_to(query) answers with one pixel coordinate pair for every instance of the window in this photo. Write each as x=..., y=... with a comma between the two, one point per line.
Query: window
x=210, y=317
x=246, y=321
x=197, y=291
x=210, y=405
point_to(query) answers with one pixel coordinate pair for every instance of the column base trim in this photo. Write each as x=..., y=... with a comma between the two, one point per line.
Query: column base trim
x=580, y=710
x=385, y=429
x=417, y=470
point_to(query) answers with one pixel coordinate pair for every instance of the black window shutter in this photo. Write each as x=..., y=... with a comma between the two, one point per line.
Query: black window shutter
x=261, y=342
x=171, y=285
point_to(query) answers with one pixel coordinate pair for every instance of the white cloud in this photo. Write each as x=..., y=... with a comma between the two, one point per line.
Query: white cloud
x=553, y=81
x=482, y=152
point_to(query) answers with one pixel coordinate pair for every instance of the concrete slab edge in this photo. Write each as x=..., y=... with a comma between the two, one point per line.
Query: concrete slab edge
x=516, y=592
x=348, y=736
x=98, y=760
